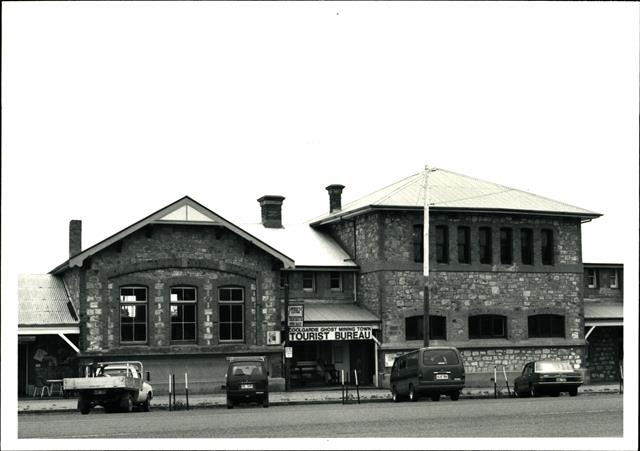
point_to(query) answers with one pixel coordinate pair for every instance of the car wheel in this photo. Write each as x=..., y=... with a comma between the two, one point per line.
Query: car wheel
x=573, y=391
x=455, y=396
x=265, y=401
x=435, y=397
x=516, y=393
x=229, y=403
x=412, y=394
x=394, y=394
x=533, y=392
x=126, y=404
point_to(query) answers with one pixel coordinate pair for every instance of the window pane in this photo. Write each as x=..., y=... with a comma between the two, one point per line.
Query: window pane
x=506, y=246
x=176, y=331
x=225, y=294
x=526, y=244
x=237, y=294
x=225, y=313
x=463, y=244
x=236, y=313
x=189, y=332
x=141, y=313
x=140, y=332
x=126, y=332
x=485, y=245
x=189, y=294
x=140, y=294
x=175, y=313
x=442, y=244
x=225, y=331
x=547, y=246
x=413, y=328
x=437, y=327
x=189, y=313
x=236, y=331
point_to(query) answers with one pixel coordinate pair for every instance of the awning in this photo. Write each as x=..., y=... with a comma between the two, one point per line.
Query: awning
x=347, y=313
x=603, y=314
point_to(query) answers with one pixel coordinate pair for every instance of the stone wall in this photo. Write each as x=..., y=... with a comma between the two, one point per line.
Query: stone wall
x=604, y=352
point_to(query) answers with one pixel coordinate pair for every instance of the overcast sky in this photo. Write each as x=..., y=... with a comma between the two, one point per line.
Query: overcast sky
x=112, y=111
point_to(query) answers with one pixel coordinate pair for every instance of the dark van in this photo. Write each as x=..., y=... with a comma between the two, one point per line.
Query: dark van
x=431, y=372
x=247, y=380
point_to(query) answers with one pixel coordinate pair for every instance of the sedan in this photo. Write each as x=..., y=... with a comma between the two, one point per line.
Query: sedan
x=547, y=377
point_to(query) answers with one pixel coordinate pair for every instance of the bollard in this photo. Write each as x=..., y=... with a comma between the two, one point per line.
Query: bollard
x=173, y=381
x=357, y=388
x=495, y=383
x=342, y=383
x=186, y=389
x=169, y=392
x=504, y=371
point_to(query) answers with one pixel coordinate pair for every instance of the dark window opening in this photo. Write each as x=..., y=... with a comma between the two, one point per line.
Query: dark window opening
x=464, y=251
x=484, y=238
x=506, y=246
x=546, y=241
x=442, y=244
x=414, y=328
x=546, y=326
x=183, y=314
x=231, y=307
x=335, y=281
x=418, y=243
x=487, y=326
x=526, y=246
x=308, y=281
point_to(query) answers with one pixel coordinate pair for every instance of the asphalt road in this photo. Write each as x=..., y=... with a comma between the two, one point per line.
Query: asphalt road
x=582, y=416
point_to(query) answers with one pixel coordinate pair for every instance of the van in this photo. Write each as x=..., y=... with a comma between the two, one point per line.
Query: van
x=431, y=372
x=247, y=380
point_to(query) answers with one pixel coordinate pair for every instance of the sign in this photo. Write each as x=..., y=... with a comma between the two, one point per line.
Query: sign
x=273, y=337
x=296, y=316
x=288, y=352
x=329, y=333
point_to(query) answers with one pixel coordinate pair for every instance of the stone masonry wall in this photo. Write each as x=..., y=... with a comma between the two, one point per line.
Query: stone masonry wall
x=605, y=345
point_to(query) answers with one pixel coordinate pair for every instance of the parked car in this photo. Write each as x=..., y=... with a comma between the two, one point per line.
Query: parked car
x=432, y=372
x=247, y=380
x=112, y=385
x=550, y=377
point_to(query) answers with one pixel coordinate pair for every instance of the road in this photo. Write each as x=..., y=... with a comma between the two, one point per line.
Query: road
x=582, y=416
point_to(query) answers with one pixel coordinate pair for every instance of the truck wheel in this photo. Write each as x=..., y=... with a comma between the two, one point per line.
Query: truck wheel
x=265, y=401
x=146, y=406
x=229, y=404
x=126, y=403
x=455, y=396
x=84, y=406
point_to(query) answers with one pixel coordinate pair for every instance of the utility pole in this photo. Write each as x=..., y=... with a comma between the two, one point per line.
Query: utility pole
x=425, y=257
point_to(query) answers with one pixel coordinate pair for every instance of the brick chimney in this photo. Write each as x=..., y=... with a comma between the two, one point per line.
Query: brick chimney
x=75, y=237
x=271, y=211
x=335, y=197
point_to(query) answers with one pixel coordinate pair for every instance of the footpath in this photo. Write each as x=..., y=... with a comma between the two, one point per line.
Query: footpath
x=199, y=401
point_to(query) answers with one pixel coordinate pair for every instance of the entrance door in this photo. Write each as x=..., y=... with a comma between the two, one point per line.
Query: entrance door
x=341, y=358
x=361, y=359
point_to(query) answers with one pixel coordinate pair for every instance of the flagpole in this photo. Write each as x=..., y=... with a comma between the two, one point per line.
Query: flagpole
x=425, y=258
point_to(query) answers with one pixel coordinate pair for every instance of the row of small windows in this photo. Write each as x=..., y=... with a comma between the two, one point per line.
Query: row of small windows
x=183, y=308
x=309, y=281
x=485, y=245
x=485, y=326
x=600, y=278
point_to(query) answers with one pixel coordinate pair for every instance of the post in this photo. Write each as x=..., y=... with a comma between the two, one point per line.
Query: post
x=287, y=369
x=504, y=371
x=357, y=388
x=342, y=384
x=425, y=258
x=495, y=383
x=173, y=381
x=169, y=392
x=186, y=389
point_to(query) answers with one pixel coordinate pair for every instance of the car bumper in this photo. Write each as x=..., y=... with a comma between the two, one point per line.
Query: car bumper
x=557, y=386
x=439, y=386
x=247, y=395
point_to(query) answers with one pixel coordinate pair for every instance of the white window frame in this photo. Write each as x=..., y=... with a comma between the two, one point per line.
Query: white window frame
x=331, y=273
x=175, y=303
x=615, y=279
x=242, y=304
x=131, y=301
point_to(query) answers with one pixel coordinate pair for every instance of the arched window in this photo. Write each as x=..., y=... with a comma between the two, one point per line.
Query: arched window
x=414, y=328
x=183, y=314
x=231, y=305
x=133, y=314
x=546, y=326
x=487, y=326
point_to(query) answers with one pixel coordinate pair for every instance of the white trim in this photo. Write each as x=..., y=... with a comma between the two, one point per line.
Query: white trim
x=48, y=330
x=70, y=343
x=589, y=332
x=597, y=322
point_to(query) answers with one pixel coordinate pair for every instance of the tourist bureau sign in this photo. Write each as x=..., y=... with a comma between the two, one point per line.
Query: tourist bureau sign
x=326, y=333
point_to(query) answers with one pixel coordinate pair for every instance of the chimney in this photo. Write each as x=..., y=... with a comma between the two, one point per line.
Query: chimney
x=271, y=211
x=75, y=237
x=335, y=197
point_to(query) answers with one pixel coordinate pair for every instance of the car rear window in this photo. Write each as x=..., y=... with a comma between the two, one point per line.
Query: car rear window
x=543, y=367
x=245, y=369
x=439, y=357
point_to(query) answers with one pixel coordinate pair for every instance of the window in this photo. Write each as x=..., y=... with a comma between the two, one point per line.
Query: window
x=231, y=303
x=592, y=278
x=613, y=278
x=546, y=326
x=484, y=238
x=487, y=326
x=439, y=357
x=414, y=329
x=335, y=281
x=526, y=246
x=308, y=281
x=418, y=243
x=133, y=314
x=464, y=253
x=282, y=279
x=183, y=314
x=442, y=244
x=546, y=241
x=506, y=246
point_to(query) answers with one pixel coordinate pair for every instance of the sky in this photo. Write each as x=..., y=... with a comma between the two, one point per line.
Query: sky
x=112, y=111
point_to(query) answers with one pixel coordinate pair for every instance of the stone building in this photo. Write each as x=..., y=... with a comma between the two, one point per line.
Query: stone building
x=184, y=288
x=603, y=312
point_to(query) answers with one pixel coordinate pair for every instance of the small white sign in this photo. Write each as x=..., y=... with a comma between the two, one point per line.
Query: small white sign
x=273, y=337
x=288, y=352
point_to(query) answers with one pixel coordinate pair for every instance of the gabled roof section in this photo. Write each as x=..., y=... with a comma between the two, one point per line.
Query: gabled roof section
x=43, y=301
x=307, y=246
x=452, y=191
x=182, y=211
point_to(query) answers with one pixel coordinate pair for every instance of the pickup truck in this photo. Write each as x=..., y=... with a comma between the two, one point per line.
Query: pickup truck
x=112, y=385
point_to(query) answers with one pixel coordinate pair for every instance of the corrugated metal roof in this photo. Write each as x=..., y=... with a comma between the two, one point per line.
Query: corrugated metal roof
x=603, y=311
x=337, y=313
x=305, y=245
x=451, y=190
x=42, y=301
